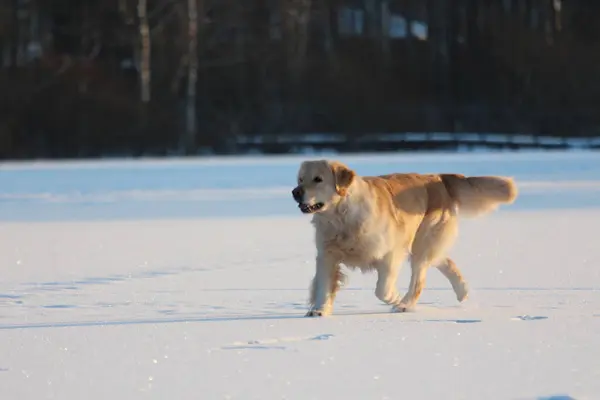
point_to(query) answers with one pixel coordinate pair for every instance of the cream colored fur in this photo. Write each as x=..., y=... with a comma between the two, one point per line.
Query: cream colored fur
x=375, y=223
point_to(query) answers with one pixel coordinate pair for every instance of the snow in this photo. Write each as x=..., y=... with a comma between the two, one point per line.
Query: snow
x=188, y=279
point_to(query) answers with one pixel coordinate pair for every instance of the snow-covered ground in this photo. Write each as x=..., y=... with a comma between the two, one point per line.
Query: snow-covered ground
x=187, y=279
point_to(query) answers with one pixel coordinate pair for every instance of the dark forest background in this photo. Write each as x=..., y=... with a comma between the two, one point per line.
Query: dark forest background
x=88, y=78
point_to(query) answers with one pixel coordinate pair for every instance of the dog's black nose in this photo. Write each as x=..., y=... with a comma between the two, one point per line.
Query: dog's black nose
x=298, y=193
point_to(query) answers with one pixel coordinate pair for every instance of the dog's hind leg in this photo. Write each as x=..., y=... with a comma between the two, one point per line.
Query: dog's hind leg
x=452, y=273
x=387, y=275
x=433, y=239
x=417, y=283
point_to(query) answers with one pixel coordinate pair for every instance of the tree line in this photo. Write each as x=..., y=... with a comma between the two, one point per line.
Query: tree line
x=131, y=77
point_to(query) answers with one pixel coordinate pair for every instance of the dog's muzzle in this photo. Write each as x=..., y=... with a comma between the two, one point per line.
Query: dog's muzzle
x=298, y=194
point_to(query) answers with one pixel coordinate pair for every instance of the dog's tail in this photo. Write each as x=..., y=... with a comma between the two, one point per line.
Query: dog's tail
x=479, y=195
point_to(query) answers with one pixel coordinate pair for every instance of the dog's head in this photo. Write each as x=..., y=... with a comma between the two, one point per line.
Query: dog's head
x=321, y=184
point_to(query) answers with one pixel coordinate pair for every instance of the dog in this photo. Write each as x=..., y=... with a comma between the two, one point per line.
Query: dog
x=373, y=223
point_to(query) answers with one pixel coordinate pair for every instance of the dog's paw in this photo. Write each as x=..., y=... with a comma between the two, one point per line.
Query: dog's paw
x=316, y=313
x=462, y=292
x=401, y=308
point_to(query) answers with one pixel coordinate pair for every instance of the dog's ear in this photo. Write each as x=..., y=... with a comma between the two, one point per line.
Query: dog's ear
x=343, y=177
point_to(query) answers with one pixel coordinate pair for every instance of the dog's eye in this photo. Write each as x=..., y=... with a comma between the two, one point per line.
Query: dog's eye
x=318, y=179
x=299, y=180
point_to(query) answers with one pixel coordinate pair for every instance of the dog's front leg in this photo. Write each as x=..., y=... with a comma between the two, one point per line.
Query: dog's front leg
x=324, y=286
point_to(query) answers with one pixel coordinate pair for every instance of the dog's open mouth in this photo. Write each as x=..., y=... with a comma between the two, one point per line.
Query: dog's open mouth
x=310, y=208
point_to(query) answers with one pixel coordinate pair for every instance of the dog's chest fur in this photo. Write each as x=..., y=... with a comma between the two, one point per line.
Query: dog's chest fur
x=353, y=237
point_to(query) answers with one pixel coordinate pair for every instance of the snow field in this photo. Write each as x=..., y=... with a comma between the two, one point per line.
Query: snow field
x=188, y=279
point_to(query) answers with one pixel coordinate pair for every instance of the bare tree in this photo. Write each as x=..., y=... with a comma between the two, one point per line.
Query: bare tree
x=22, y=9
x=557, y=9
x=296, y=17
x=385, y=29
x=326, y=13
x=7, y=27
x=145, y=52
x=192, y=74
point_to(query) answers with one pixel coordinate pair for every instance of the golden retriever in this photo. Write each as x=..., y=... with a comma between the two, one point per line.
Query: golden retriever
x=375, y=222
